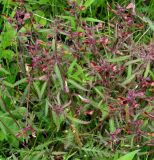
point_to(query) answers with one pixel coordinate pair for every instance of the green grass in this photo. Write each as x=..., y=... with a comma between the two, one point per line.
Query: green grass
x=76, y=80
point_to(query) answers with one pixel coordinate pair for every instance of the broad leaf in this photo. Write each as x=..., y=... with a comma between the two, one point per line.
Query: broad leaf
x=129, y=156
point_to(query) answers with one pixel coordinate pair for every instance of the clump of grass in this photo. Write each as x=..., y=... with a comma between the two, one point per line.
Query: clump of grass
x=76, y=87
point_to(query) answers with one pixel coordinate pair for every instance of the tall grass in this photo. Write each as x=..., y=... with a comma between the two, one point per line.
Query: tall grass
x=76, y=80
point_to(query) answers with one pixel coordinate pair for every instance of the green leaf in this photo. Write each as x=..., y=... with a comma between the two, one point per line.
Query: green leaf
x=19, y=112
x=99, y=92
x=7, y=54
x=37, y=89
x=43, y=89
x=77, y=120
x=75, y=84
x=2, y=136
x=53, y=44
x=46, y=107
x=129, y=79
x=57, y=120
x=150, y=23
x=14, y=157
x=40, y=18
x=71, y=67
x=8, y=84
x=88, y=3
x=8, y=37
x=24, y=95
x=3, y=131
x=58, y=74
x=147, y=70
x=3, y=70
x=129, y=71
x=129, y=156
x=111, y=124
x=118, y=59
x=43, y=1
x=13, y=141
x=8, y=126
x=71, y=19
x=152, y=74
x=89, y=19
x=23, y=80
x=133, y=61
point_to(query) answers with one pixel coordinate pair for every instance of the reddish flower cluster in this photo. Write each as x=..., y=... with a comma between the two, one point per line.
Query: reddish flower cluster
x=25, y=131
x=21, y=16
x=128, y=17
x=42, y=60
x=147, y=52
x=108, y=71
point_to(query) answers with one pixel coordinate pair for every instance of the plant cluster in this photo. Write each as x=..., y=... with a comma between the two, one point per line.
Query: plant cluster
x=74, y=86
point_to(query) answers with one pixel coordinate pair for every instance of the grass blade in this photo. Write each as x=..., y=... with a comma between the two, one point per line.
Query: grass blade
x=111, y=124
x=77, y=120
x=8, y=84
x=23, y=80
x=89, y=19
x=58, y=74
x=76, y=85
x=43, y=89
x=119, y=59
x=37, y=89
x=4, y=71
x=129, y=79
x=88, y=3
x=133, y=61
x=147, y=70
